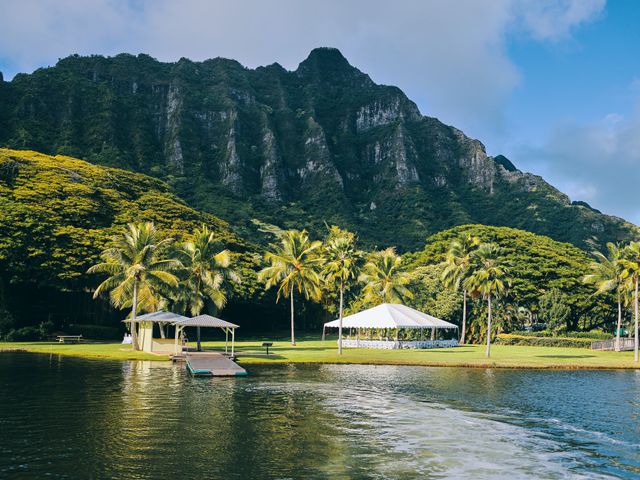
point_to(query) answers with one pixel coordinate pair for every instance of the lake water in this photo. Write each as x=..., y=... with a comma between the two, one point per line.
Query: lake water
x=64, y=417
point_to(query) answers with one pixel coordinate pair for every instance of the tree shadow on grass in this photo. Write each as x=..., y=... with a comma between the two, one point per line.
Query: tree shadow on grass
x=565, y=356
x=271, y=356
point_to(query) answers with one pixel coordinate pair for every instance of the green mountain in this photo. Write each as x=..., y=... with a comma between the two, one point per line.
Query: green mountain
x=323, y=143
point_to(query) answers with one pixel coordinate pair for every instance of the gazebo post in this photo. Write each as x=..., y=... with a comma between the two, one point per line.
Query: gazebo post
x=323, y=330
x=433, y=334
x=178, y=348
x=233, y=341
x=226, y=340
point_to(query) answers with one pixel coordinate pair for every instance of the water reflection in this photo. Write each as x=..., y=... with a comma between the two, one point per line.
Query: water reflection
x=77, y=418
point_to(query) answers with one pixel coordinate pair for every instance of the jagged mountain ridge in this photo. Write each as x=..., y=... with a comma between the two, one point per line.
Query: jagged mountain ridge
x=323, y=143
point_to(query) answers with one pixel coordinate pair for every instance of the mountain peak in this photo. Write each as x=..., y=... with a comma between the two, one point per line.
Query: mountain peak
x=327, y=64
x=326, y=54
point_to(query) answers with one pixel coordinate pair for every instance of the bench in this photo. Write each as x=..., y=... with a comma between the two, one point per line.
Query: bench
x=69, y=338
x=267, y=344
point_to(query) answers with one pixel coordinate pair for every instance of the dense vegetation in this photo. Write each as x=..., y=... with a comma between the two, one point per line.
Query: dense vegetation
x=538, y=265
x=323, y=143
x=59, y=213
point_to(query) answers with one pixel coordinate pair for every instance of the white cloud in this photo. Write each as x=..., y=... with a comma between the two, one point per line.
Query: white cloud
x=556, y=19
x=596, y=162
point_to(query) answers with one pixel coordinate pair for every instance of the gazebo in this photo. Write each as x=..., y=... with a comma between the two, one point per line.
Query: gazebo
x=145, y=330
x=206, y=321
x=393, y=317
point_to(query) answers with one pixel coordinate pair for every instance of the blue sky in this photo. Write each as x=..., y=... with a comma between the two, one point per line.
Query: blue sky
x=552, y=84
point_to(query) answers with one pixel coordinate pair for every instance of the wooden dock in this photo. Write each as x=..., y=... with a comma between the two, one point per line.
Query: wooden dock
x=212, y=364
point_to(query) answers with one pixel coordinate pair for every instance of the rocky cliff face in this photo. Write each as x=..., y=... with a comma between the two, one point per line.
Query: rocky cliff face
x=321, y=143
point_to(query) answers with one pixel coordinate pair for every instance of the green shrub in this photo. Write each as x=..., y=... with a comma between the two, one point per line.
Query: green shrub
x=95, y=332
x=591, y=335
x=6, y=322
x=24, y=334
x=531, y=341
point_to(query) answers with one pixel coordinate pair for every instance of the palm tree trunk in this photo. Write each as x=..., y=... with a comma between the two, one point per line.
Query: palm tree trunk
x=464, y=316
x=635, y=341
x=293, y=336
x=340, y=321
x=489, y=328
x=619, y=322
x=134, y=308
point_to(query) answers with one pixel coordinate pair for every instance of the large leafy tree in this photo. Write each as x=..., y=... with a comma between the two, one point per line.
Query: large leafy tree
x=294, y=266
x=140, y=271
x=631, y=263
x=384, y=281
x=456, y=270
x=489, y=278
x=208, y=276
x=342, y=262
x=608, y=273
x=554, y=310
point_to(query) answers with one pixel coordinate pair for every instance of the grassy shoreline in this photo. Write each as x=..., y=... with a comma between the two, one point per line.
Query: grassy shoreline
x=315, y=352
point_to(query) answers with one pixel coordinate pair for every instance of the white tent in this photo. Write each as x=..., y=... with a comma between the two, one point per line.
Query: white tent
x=396, y=317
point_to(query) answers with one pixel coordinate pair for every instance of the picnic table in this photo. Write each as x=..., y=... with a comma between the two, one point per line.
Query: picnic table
x=69, y=338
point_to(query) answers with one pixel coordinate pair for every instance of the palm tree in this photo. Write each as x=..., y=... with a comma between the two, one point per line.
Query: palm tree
x=456, y=270
x=342, y=262
x=293, y=266
x=139, y=270
x=488, y=278
x=384, y=282
x=609, y=273
x=208, y=274
x=631, y=264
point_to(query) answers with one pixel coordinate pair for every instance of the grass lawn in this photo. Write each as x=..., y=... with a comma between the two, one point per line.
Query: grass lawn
x=310, y=350
x=110, y=351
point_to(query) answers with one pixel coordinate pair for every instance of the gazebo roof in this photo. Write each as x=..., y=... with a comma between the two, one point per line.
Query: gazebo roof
x=159, y=317
x=390, y=315
x=205, y=321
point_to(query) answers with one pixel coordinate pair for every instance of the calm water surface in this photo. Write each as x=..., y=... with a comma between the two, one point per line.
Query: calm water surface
x=63, y=417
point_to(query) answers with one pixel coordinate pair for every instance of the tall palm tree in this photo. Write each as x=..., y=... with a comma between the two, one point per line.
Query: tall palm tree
x=342, y=262
x=609, y=273
x=488, y=278
x=294, y=266
x=631, y=263
x=456, y=270
x=208, y=274
x=383, y=279
x=139, y=271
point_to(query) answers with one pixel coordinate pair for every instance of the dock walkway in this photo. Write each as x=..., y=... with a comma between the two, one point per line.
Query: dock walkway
x=212, y=364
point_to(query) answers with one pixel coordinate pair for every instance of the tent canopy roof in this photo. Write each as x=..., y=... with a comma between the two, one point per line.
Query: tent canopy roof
x=205, y=321
x=159, y=317
x=390, y=315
